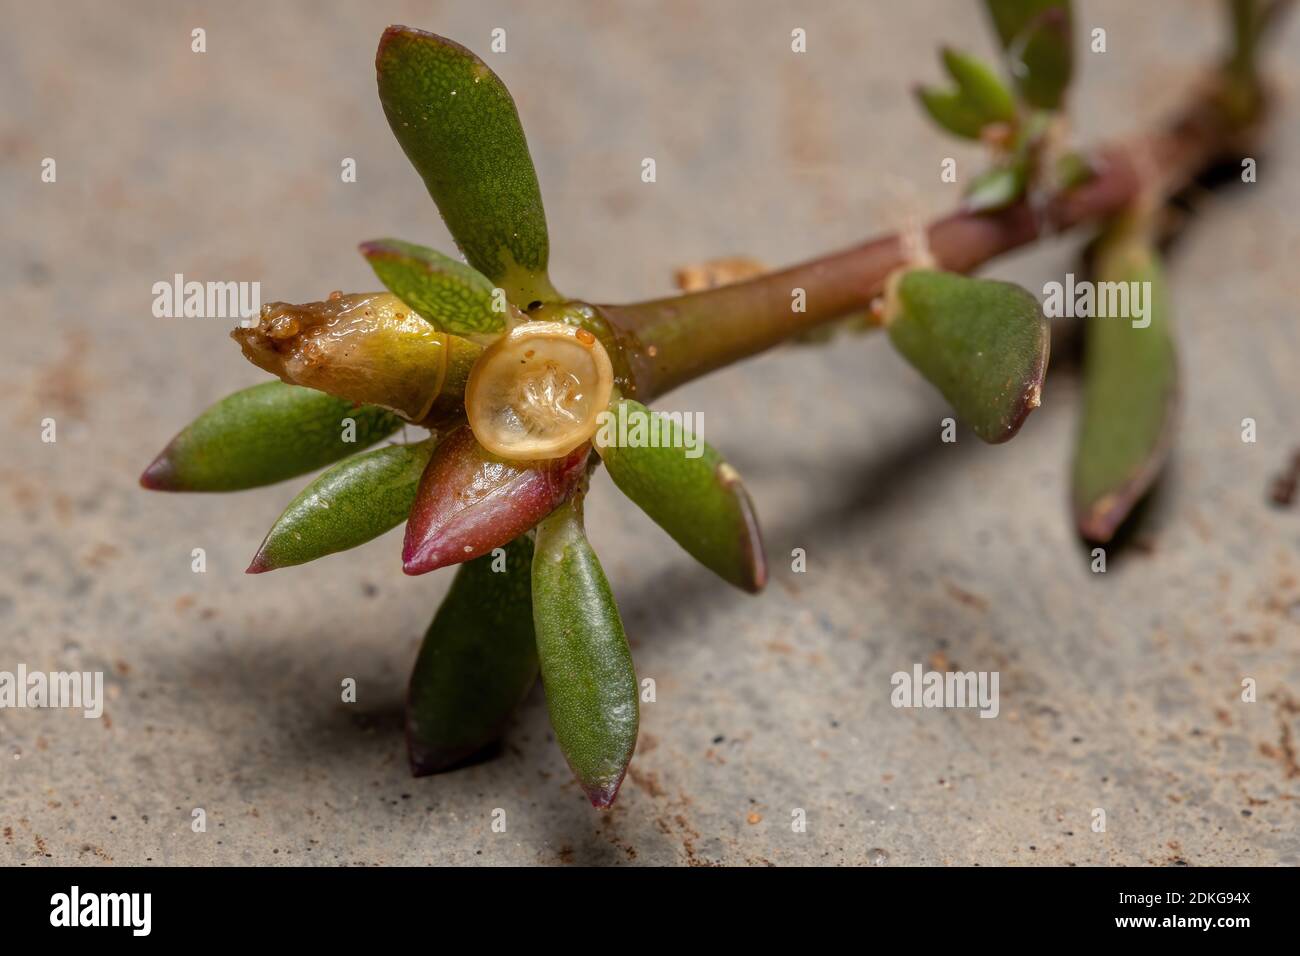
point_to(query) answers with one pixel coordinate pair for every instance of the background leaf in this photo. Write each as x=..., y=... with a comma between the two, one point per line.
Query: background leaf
x=1037, y=37
x=358, y=499
x=982, y=343
x=1130, y=396
x=447, y=293
x=700, y=501
x=980, y=86
x=591, y=688
x=951, y=111
x=470, y=501
x=262, y=435
x=458, y=125
x=477, y=663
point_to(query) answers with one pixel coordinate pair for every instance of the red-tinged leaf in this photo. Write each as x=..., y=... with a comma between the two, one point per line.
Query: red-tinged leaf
x=470, y=501
x=265, y=434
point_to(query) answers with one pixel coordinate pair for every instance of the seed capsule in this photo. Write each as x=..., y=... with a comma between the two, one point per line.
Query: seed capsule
x=537, y=391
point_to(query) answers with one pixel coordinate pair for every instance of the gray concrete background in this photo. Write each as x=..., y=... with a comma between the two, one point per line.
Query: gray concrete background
x=1118, y=691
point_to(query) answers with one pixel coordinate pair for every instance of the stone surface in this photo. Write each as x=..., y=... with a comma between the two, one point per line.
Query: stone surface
x=1118, y=691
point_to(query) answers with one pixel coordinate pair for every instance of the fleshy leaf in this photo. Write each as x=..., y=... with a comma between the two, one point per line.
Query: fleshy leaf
x=458, y=125
x=470, y=501
x=951, y=111
x=358, y=499
x=447, y=293
x=591, y=688
x=699, y=500
x=262, y=435
x=477, y=663
x=980, y=86
x=982, y=343
x=979, y=100
x=1036, y=36
x=1130, y=397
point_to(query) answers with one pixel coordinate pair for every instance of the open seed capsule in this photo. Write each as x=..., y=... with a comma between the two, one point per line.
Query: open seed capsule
x=537, y=391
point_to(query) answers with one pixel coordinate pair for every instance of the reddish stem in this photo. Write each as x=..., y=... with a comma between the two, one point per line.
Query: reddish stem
x=671, y=341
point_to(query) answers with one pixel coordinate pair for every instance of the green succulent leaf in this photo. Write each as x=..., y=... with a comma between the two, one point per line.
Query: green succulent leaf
x=980, y=86
x=979, y=100
x=458, y=125
x=996, y=188
x=700, y=501
x=982, y=343
x=265, y=434
x=951, y=111
x=591, y=688
x=1036, y=37
x=355, y=501
x=449, y=294
x=477, y=663
x=1130, y=398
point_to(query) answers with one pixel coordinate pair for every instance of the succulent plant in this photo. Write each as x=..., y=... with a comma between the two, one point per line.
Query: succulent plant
x=517, y=384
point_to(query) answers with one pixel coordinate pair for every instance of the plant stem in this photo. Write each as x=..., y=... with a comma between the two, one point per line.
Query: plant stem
x=671, y=341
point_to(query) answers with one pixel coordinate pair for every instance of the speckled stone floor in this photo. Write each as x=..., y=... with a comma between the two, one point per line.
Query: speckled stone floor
x=1118, y=691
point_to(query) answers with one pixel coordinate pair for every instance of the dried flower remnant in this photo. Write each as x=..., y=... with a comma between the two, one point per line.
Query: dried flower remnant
x=369, y=348
x=716, y=272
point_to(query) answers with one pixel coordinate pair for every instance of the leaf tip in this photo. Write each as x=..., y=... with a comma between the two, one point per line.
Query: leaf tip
x=376, y=249
x=602, y=796
x=753, y=572
x=1032, y=394
x=391, y=33
x=430, y=555
x=417, y=556
x=161, y=475
x=424, y=760
x=1097, y=525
